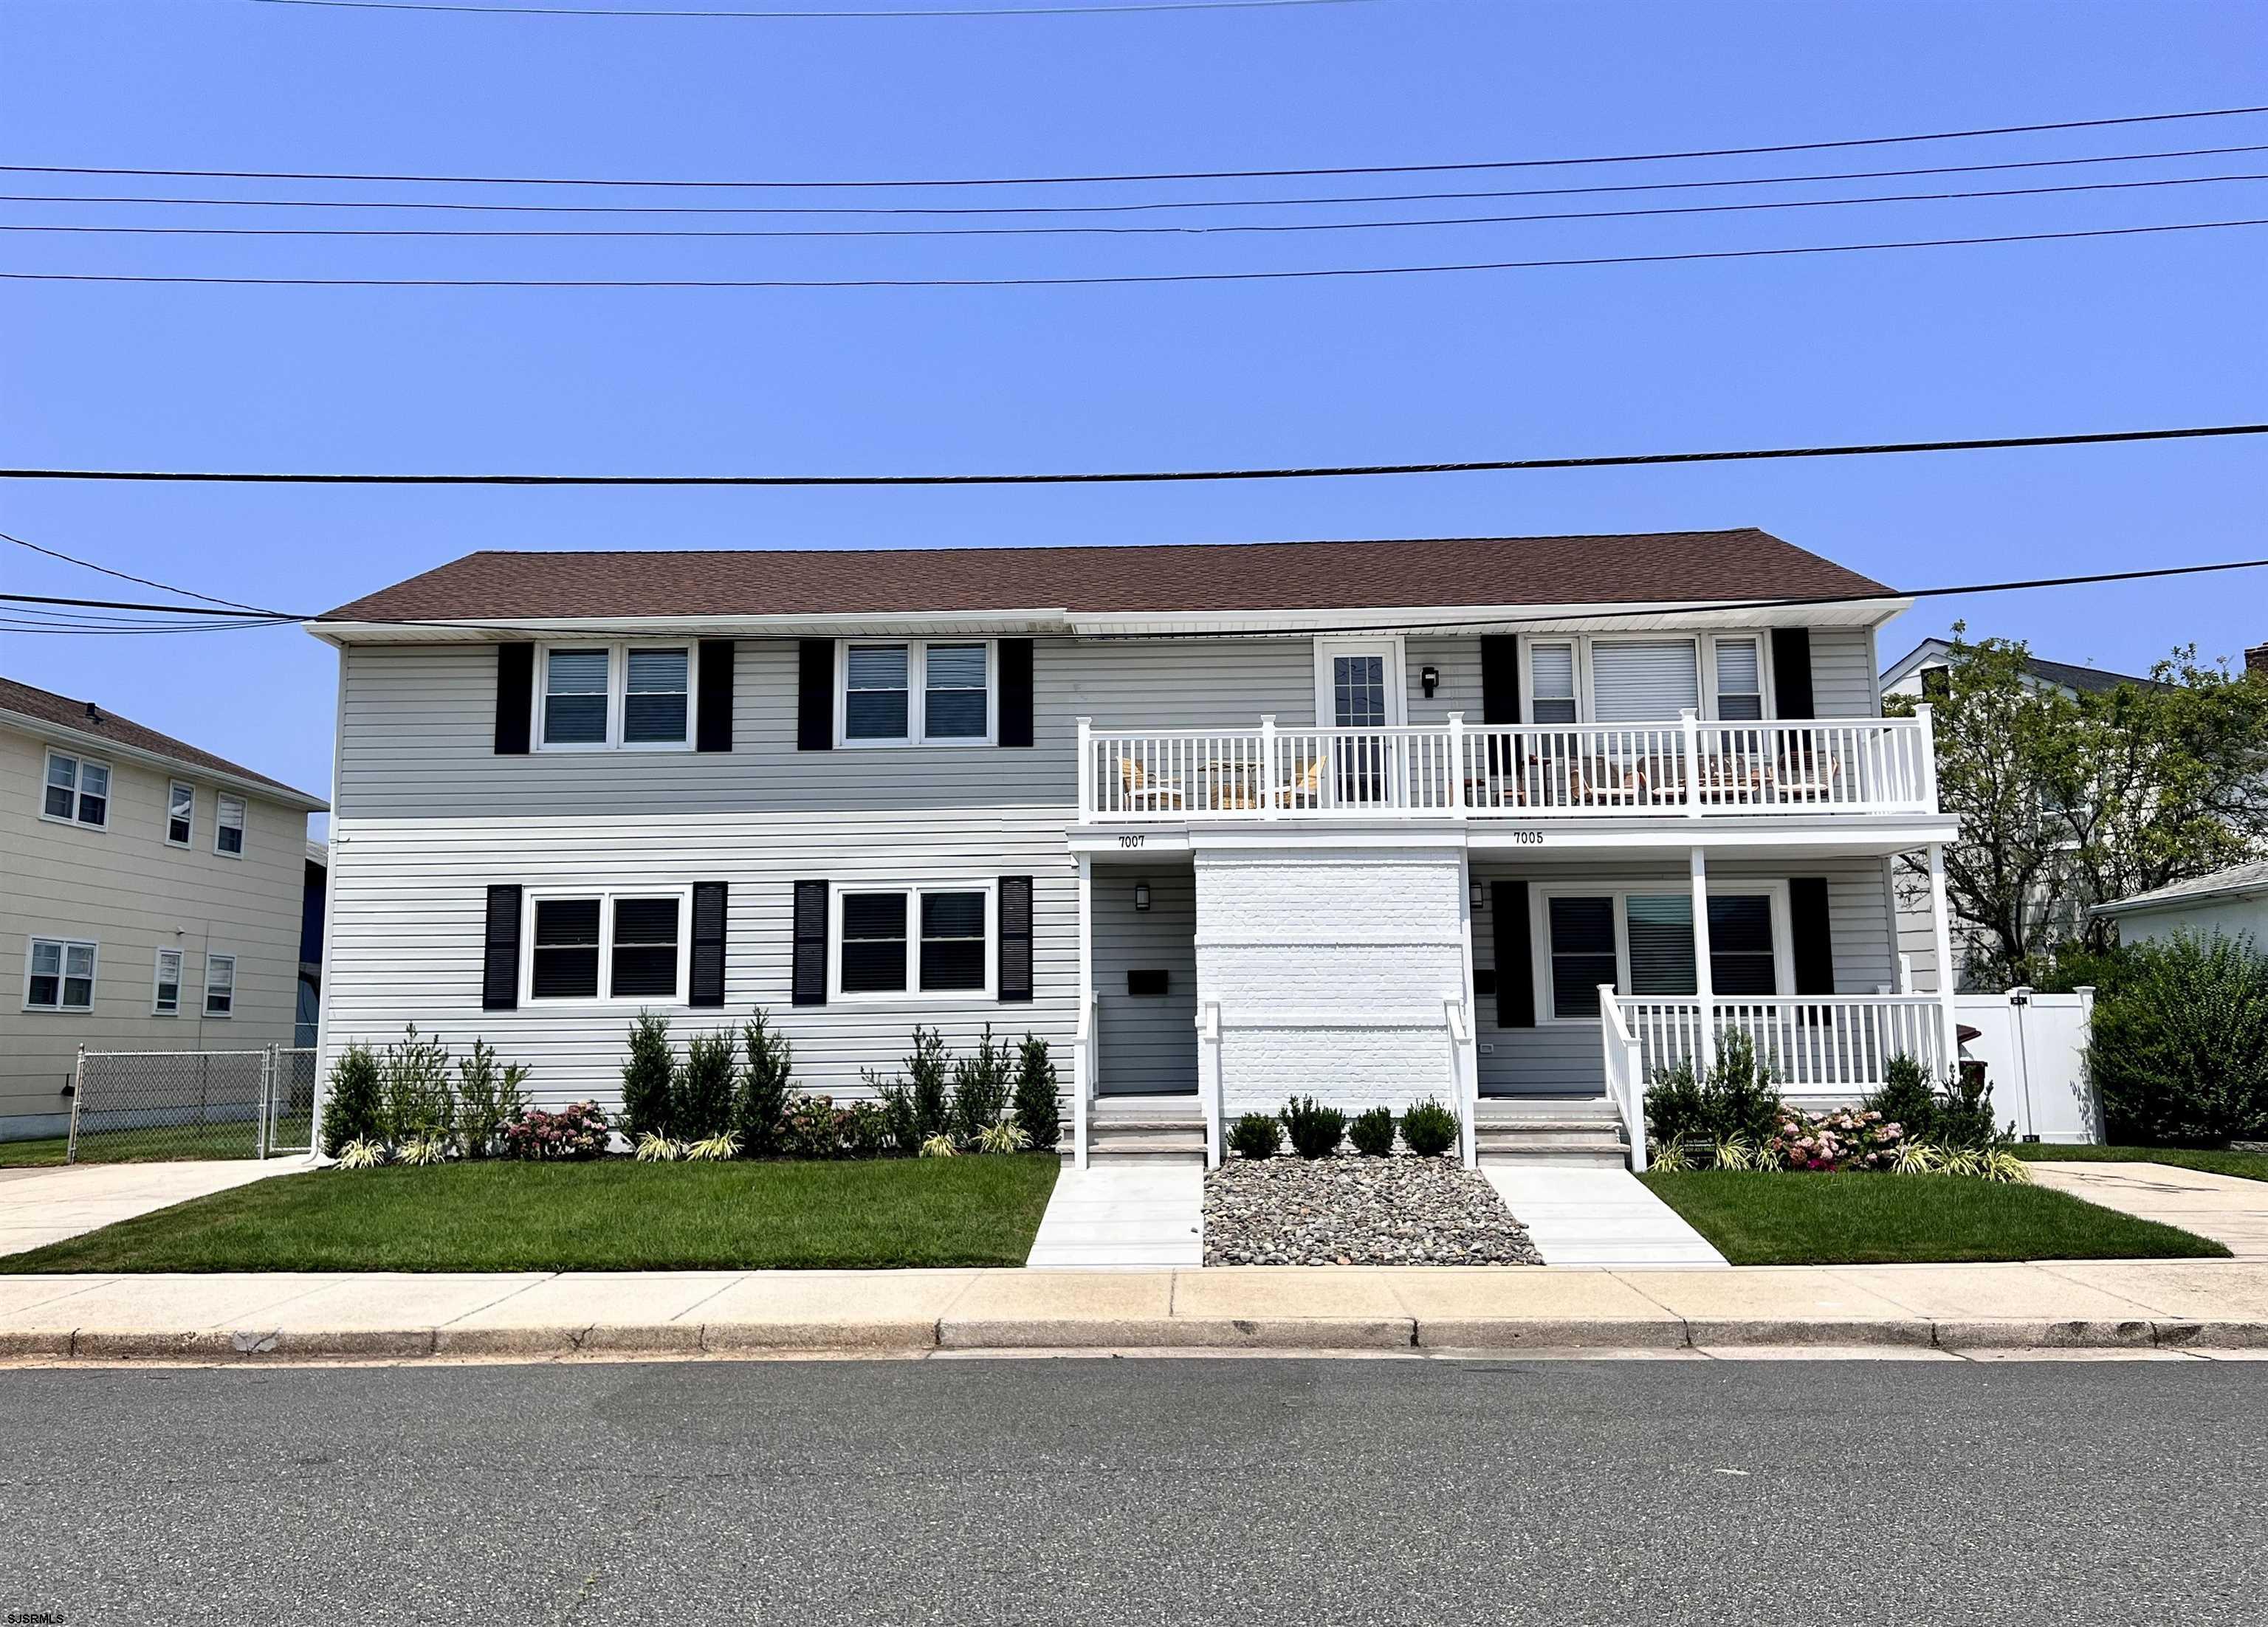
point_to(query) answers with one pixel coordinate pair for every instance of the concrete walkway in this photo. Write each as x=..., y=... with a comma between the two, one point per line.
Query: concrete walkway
x=2127, y=1306
x=1123, y=1215
x=1596, y=1215
x=47, y=1204
x=2228, y=1209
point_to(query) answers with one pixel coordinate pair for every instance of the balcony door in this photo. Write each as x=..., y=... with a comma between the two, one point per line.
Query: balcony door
x=1359, y=687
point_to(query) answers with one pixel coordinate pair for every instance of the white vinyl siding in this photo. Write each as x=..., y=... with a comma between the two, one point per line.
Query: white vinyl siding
x=180, y=813
x=60, y=974
x=220, y=986
x=1644, y=681
x=228, y=827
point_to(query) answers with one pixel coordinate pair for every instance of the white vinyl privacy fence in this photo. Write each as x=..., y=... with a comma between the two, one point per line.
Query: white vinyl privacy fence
x=2034, y=1048
x=152, y=1106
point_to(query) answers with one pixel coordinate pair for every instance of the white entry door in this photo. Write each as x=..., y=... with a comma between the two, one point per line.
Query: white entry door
x=1358, y=685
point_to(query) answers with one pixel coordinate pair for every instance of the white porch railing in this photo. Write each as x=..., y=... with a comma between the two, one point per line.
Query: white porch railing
x=1626, y=1076
x=1816, y=1045
x=1859, y=765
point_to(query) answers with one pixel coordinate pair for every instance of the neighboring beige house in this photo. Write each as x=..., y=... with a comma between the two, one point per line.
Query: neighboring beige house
x=150, y=899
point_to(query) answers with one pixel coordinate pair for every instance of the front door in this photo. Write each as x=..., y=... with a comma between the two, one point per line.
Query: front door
x=1359, y=687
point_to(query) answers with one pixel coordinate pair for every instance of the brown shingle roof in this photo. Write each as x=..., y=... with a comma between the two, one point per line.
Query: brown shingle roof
x=87, y=718
x=1655, y=567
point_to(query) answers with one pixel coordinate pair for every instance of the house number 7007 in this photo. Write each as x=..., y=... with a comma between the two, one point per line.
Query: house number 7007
x=1134, y=841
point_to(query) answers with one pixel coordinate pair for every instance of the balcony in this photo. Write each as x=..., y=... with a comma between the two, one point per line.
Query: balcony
x=1457, y=770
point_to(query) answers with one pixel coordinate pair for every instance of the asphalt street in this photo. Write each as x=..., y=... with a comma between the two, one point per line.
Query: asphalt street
x=1139, y=1491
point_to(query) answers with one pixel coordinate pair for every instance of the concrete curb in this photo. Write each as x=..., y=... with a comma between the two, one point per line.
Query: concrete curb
x=1285, y=1333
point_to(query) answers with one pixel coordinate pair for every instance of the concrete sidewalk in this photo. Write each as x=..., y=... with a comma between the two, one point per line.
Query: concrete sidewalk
x=2126, y=1306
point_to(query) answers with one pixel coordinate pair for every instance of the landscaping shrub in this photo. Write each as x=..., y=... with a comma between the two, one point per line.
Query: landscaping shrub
x=488, y=1098
x=1255, y=1134
x=1373, y=1133
x=1957, y=1114
x=649, y=1077
x=1735, y=1103
x=362, y=1152
x=760, y=1109
x=350, y=1109
x=701, y=1097
x=579, y=1132
x=1316, y=1130
x=1846, y=1138
x=929, y=1067
x=1002, y=1138
x=417, y=1103
x=2180, y=1049
x=1906, y=1098
x=866, y=1129
x=1038, y=1112
x=902, y=1122
x=1429, y=1129
x=981, y=1083
x=813, y=1127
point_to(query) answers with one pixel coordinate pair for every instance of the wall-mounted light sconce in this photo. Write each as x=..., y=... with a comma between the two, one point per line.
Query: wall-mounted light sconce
x=1429, y=679
x=1141, y=896
x=1480, y=896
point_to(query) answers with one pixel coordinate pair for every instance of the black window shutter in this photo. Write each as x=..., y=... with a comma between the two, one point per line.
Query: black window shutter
x=1500, y=679
x=1016, y=938
x=1791, y=671
x=515, y=697
x=708, y=989
x=1015, y=692
x=814, y=694
x=809, y=975
x=1810, y=935
x=714, y=730
x=500, y=958
x=1515, y=966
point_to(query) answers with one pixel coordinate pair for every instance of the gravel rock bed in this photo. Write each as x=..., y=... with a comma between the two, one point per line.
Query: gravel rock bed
x=1354, y=1210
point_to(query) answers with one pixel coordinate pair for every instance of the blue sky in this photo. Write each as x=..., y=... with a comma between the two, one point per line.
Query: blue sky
x=2004, y=340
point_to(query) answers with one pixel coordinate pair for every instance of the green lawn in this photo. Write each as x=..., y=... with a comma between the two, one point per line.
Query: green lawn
x=610, y=1216
x=1875, y=1219
x=158, y=1144
x=2252, y=1166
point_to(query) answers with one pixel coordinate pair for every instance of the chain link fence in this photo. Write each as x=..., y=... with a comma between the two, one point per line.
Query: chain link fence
x=144, y=1107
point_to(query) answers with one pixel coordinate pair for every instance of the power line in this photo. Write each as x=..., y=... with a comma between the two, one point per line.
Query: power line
x=999, y=11
x=1619, y=460
x=1116, y=208
x=123, y=576
x=680, y=233
x=1062, y=180
x=1113, y=279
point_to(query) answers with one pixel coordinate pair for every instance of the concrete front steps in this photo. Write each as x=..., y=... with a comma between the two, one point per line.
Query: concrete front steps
x=1561, y=1132
x=1155, y=1132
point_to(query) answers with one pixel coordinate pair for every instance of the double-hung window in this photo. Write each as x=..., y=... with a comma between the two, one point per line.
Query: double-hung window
x=228, y=826
x=907, y=940
x=77, y=791
x=1641, y=943
x=1553, y=671
x=60, y=976
x=628, y=946
x=165, y=992
x=220, y=986
x=180, y=813
x=1740, y=680
x=634, y=697
x=916, y=692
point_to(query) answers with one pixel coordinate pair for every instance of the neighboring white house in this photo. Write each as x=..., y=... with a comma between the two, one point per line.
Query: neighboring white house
x=151, y=901
x=1373, y=821
x=1922, y=674
x=2233, y=903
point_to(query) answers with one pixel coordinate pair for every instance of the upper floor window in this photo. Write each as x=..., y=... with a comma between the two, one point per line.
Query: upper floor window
x=1554, y=671
x=228, y=827
x=220, y=986
x=180, y=813
x=1620, y=680
x=1739, y=680
x=60, y=976
x=77, y=791
x=631, y=697
x=918, y=692
x=1644, y=679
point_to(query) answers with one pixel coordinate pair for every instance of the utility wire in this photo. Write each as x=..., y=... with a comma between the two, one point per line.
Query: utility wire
x=1113, y=208
x=1114, y=279
x=123, y=576
x=1153, y=476
x=1063, y=181
x=678, y=233
x=999, y=11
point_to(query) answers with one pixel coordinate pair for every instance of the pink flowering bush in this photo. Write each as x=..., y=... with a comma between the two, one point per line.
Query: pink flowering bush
x=1846, y=1138
x=578, y=1131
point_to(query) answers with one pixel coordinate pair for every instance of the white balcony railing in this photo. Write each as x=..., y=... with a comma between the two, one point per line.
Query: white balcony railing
x=1816, y=1045
x=1859, y=765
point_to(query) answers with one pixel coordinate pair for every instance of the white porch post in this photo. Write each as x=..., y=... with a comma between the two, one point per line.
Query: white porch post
x=1704, y=989
x=1465, y=1019
x=1940, y=932
x=1083, y=1059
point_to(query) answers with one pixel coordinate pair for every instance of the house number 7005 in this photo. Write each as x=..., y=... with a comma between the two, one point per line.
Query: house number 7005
x=1134, y=841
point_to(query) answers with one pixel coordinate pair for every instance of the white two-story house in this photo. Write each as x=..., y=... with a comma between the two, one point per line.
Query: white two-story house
x=151, y=897
x=1508, y=822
